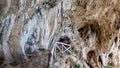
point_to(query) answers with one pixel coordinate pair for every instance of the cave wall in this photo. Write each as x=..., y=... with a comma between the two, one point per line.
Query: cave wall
x=92, y=25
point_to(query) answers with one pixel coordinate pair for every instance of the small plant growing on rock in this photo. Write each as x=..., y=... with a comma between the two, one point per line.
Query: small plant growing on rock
x=31, y=17
x=76, y=52
x=78, y=66
x=108, y=66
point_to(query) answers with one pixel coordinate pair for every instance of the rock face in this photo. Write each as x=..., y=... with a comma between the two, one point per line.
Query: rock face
x=92, y=27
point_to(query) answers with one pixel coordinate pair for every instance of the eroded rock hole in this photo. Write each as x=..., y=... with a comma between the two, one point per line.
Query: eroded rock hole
x=110, y=55
x=116, y=39
x=83, y=32
x=90, y=54
x=65, y=39
x=86, y=31
x=92, y=29
x=80, y=29
x=90, y=58
x=51, y=3
x=100, y=60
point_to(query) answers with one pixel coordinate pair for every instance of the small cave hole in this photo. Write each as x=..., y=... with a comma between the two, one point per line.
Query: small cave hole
x=5, y=64
x=100, y=59
x=110, y=55
x=92, y=29
x=90, y=54
x=65, y=39
x=18, y=17
x=91, y=25
x=80, y=29
x=70, y=66
x=87, y=37
x=99, y=42
x=116, y=39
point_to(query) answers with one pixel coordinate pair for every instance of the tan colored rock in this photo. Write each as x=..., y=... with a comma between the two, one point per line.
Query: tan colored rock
x=93, y=27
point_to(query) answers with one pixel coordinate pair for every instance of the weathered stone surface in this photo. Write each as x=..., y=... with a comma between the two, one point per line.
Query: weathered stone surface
x=92, y=27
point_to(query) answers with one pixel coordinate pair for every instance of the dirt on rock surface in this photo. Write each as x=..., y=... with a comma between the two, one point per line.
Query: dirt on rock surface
x=38, y=60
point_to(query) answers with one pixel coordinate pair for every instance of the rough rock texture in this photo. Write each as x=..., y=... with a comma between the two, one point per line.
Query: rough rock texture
x=92, y=26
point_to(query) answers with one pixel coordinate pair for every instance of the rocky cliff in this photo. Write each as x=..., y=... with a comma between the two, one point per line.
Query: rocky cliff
x=59, y=33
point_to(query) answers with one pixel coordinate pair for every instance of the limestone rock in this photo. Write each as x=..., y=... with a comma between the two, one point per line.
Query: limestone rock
x=92, y=27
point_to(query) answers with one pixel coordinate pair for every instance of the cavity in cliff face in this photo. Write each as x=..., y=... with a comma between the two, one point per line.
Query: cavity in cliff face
x=59, y=33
